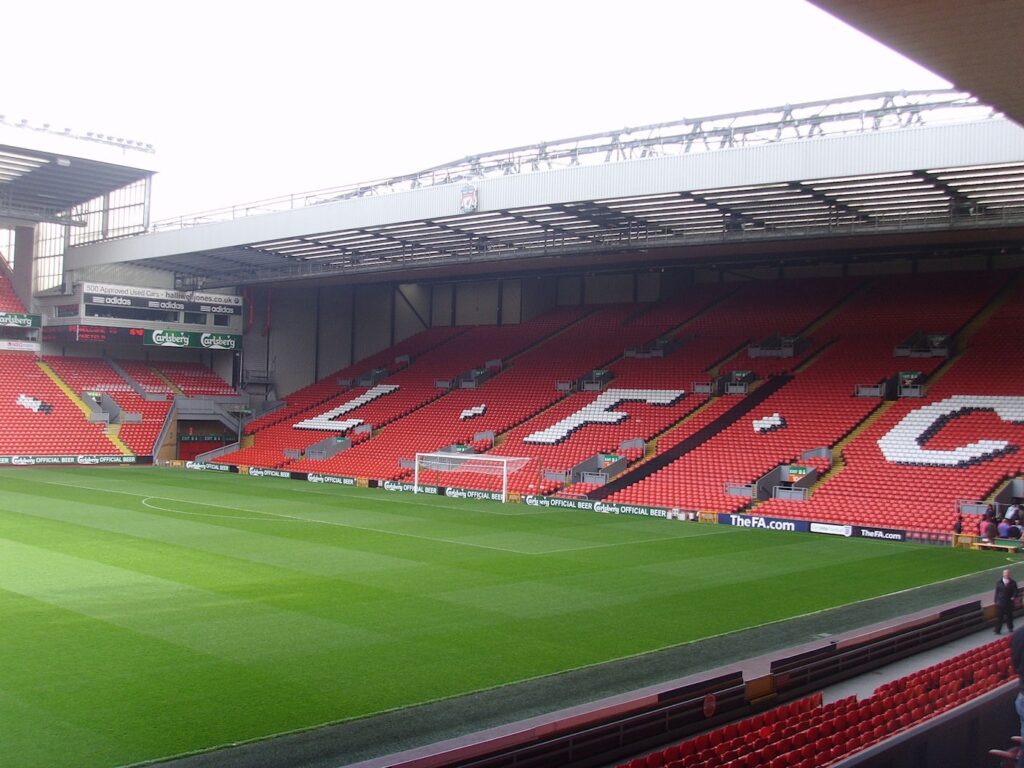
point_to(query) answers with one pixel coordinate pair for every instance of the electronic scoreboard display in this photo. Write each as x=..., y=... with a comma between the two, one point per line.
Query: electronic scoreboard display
x=95, y=333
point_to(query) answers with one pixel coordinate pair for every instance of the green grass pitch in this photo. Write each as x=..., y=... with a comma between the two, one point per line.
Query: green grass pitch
x=146, y=613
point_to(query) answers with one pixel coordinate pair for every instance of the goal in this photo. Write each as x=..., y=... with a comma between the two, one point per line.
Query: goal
x=442, y=463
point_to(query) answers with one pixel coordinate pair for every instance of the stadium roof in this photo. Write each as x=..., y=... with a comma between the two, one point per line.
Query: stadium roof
x=975, y=45
x=892, y=163
x=44, y=173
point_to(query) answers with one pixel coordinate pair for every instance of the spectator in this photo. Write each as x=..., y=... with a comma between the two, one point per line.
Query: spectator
x=1013, y=513
x=1003, y=529
x=991, y=530
x=983, y=528
x=958, y=526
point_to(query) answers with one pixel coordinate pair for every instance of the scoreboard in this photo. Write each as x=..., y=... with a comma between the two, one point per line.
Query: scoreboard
x=96, y=333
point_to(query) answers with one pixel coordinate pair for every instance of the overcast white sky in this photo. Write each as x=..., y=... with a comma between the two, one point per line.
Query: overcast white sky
x=248, y=100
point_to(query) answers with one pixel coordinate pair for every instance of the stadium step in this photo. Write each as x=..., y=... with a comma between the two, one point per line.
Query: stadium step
x=972, y=326
x=814, y=356
x=74, y=398
x=62, y=385
x=836, y=308
x=818, y=322
x=738, y=411
x=838, y=462
x=160, y=375
x=655, y=442
x=501, y=438
x=113, y=432
x=651, y=448
x=715, y=367
x=652, y=445
x=553, y=335
x=694, y=318
x=976, y=323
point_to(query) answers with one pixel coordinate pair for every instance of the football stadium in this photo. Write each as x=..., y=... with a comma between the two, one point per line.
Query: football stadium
x=694, y=443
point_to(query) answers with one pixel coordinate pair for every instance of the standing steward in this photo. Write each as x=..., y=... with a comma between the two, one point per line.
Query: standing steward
x=1006, y=594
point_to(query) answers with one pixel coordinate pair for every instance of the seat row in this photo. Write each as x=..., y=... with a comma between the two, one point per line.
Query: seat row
x=847, y=332
x=9, y=301
x=40, y=419
x=809, y=734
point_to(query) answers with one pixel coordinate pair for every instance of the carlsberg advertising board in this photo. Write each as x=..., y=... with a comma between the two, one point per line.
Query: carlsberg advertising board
x=19, y=320
x=192, y=340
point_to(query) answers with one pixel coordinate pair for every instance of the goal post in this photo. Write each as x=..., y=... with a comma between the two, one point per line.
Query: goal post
x=474, y=463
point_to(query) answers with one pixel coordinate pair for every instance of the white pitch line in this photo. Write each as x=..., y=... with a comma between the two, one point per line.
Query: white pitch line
x=335, y=523
x=295, y=518
x=362, y=493
x=147, y=499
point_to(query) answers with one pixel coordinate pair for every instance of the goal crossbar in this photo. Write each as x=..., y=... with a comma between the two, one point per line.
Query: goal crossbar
x=476, y=463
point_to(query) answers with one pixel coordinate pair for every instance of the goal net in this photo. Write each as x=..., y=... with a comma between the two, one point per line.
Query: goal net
x=478, y=464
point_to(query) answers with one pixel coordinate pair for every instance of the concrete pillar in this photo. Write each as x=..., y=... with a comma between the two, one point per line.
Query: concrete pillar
x=24, y=252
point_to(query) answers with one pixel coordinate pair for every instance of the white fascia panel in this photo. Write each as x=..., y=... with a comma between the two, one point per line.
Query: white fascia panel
x=947, y=146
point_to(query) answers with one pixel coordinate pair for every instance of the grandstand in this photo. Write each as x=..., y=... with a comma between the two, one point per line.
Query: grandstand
x=802, y=318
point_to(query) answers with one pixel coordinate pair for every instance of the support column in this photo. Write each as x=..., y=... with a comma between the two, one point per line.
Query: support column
x=24, y=255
